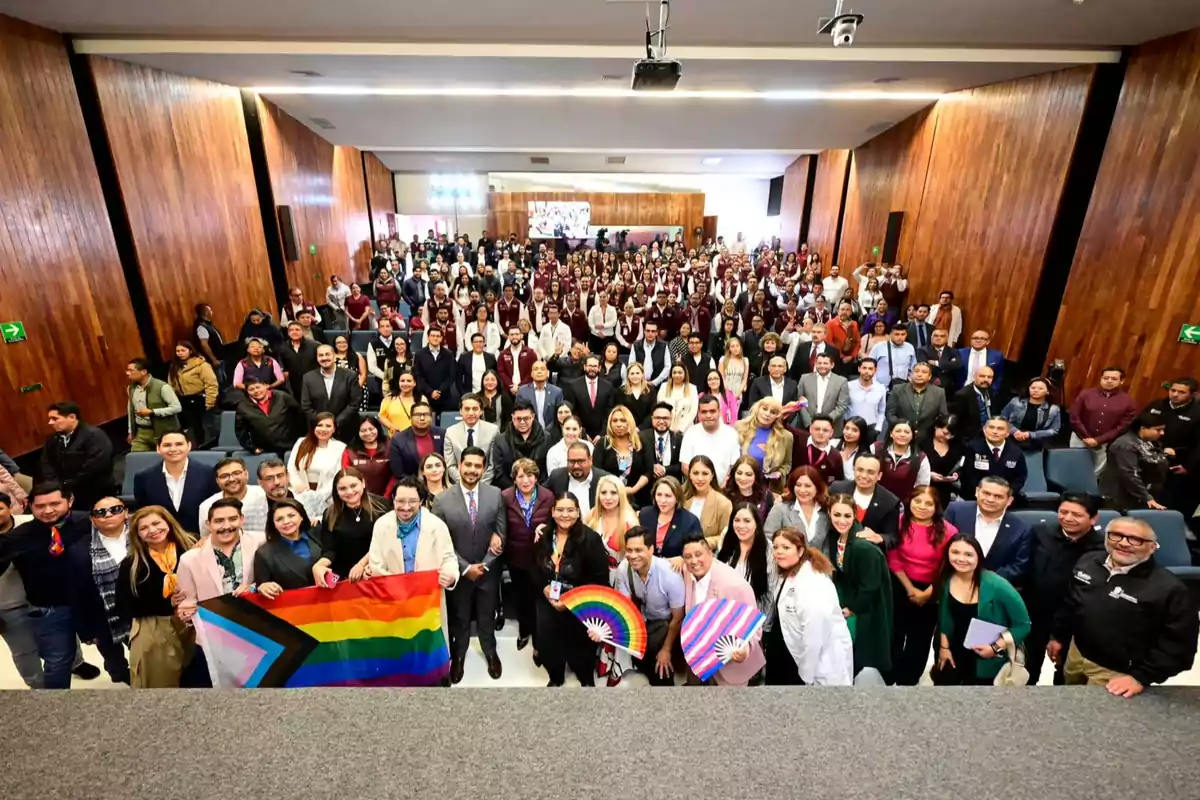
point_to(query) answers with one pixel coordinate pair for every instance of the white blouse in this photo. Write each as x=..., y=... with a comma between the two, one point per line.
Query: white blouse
x=326, y=462
x=556, y=456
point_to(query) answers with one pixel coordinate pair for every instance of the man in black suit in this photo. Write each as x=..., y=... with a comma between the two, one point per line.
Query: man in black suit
x=774, y=384
x=298, y=357
x=944, y=360
x=179, y=484
x=332, y=390
x=993, y=454
x=698, y=363
x=267, y=421
x=415, y=290
x=878, y=509
x=973, y=405
x=435, y=372
x=665, y=444
x=591, y=398
x=422, y=436
x=78, y=456
x=920, y=332
x=578, y=477
x=806, y=354
x=472, y=364
x=917, y=402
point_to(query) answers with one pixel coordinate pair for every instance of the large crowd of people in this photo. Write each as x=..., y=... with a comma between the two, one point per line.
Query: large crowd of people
x=680, y=424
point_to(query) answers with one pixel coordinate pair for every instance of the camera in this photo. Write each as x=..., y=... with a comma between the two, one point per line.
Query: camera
x=843, y=31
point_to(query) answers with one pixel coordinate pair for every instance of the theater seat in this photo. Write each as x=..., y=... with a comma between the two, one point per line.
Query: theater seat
x=360, y=340
x=1036, y=491
x=1106, y=516
x=1070, y=469
x=404, y=310
x=252, y=463
x=1171, y=529
x=1032, y=517
x=416, y=340
x=135, y=463
x=448, y=418
x=227, y=441
x=208, y=457
x=333, y=333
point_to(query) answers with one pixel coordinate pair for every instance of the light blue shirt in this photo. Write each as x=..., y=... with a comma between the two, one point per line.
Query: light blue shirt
x=869, y=403
x=660, y=592
x=898, y=365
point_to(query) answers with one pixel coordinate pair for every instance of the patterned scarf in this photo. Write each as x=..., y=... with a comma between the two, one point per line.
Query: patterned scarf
x=167, y=561
x=230, y=564
x=104, y=574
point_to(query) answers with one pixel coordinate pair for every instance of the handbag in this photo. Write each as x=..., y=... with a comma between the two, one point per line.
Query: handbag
x=1013, y=672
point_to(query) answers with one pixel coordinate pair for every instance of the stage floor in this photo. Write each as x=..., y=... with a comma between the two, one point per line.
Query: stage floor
x=920, y=743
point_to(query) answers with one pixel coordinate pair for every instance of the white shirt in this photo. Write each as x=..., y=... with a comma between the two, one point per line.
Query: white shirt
x=722, y=446
x=834, y=288
x=175, y=486
x=977, y=359
x=696, y=506
x=516, y=354
x=666, y=447
x=254, y=509
x=117, y=548
x=986, y=532
x=478, y=367
x=700, y=591
x=583, y=492
x=539, y=402
x=822, y=385
x=603, y=322
x=337, y=297
x=861, y=500
x=552, y=335
x=329, y=381
x=468, y=495
x=776, y=390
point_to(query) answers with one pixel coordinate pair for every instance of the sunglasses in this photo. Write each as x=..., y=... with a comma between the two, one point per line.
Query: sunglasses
x=111, y=511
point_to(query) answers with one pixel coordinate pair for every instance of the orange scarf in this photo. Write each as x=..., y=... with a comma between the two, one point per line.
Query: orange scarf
x=167, y=560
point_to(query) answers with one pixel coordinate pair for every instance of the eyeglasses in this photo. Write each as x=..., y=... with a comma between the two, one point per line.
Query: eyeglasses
x=111, y=511
x=237, y=473
x=1137, y=541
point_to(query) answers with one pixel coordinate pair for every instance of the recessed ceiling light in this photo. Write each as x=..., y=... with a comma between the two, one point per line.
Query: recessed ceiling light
x=710, y=162
x=614, y=160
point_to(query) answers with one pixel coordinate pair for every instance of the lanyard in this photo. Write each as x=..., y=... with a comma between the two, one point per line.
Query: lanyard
x=815, y=462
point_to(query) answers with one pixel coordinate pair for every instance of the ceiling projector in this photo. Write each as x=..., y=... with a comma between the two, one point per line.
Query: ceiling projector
x=656, y=75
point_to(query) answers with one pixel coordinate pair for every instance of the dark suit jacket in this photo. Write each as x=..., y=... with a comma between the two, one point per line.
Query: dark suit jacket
x=965, y=407
x=925, y=327
x=402, y=450
x=464, y=370
x=276, y=562
x=273, y=432
x=674, y=469
x=554, y=396
x=558, y=481
x=439, y=374
x=297, y=363
x=803, y=363
x=643, y=463
x=945, y=367
x=1010, y=466
x=85, y=465
x=883, y=516
x=901, y=405
x=471, y=541
x=342, y=402
x=994, y=359
x=761, y=387
x=594, y=418
x=683, y=525
x=150, y=489
x=1009, y=555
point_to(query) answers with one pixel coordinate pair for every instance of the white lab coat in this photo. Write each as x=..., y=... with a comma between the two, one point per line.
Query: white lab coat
x=810, y=618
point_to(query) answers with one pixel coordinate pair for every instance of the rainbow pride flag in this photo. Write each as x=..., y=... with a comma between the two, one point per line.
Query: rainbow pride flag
x=379, y=632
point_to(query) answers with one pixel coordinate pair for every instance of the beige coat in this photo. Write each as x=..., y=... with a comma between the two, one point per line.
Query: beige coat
x=197, y=377
x=435, y=549
x=714, y=517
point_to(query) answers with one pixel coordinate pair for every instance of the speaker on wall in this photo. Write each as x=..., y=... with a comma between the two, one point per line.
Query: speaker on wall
x=775, y=197
x=891, y=241
x=287, y=232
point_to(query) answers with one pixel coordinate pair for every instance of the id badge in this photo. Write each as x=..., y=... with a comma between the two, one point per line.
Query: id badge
x=555, y=590
x=981, y=462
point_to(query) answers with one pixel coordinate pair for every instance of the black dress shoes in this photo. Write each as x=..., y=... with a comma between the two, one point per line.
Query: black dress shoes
x=457, y=666
x=500, y=621
x=522, y=642
x=495, y=668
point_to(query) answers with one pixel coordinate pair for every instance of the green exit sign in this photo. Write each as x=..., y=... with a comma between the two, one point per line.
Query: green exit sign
x=1188, y=334
x=33, y=387
x=312, y=249
x=13, y=332
x=875, y=251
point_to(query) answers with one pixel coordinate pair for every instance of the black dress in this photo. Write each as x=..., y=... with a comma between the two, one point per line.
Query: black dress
x=562, y=639
x=349, y=540
x=499, y=410
x=961, y=615
x=640, y=407
x=943, y=465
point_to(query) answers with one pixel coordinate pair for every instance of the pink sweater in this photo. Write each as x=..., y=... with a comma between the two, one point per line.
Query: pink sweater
x=916, y=555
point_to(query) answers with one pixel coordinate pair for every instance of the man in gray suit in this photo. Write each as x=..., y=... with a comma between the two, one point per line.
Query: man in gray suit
x=918, y=402
x=470, y=431
x=544, y=396
x=475, y=514
x=828, y=394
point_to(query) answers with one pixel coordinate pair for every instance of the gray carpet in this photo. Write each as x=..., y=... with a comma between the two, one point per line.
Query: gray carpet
x=352, y=744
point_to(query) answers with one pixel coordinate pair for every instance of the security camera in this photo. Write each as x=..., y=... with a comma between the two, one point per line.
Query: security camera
x=843, y=31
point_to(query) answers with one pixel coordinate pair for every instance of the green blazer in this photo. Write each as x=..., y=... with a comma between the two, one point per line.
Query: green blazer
x=864, y=585
x=999, y=604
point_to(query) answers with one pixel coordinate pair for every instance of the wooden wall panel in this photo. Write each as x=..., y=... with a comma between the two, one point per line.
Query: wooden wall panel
x=58, y=262
x=509, y=211
x=183, y=162
x=1135, y=279
x=324, y=186
x=992, y=190
x=381, y=192
x=827, y=202
x=791, y=206
x=887, y=174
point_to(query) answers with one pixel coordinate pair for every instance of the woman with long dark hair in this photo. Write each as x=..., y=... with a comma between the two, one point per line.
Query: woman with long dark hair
x=568, y=555
x=745, y=548
x=497, y=402
x=746, y=483
x=857, y=437
x=864, y=585
x=368, y=454
x=914, y=563
x=967, y=591
x=396, y=411
x=347, y=359
x=343, y=538
x=704, y=499
x=945, y=455
x=316, y=458
x=195, y=383
x=286, y=561
x=904, y=466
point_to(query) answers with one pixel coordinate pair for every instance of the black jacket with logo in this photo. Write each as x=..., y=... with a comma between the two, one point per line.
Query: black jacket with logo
x=1052, y=565
x=1141, y=623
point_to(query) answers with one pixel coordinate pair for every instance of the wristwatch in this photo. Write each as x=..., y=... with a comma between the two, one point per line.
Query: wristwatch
x=997, y=649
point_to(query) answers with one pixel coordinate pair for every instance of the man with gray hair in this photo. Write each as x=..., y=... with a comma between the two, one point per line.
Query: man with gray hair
x=1127, y=622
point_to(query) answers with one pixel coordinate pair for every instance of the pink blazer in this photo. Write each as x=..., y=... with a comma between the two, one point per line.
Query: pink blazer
x=727, y=584
x=201, y=578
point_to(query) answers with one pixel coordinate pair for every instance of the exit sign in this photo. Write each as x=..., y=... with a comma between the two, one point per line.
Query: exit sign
x=1188, y=334
x=13, y=332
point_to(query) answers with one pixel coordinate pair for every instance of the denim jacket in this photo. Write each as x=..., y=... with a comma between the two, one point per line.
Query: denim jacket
x=1048, y=418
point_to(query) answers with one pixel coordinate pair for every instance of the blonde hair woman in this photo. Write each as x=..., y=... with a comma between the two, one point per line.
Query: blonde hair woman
x=620, y=451
x=161, y=646
x=762, y=435
x=734, y=368
x=611, y=516
x=681, y=394
x=637, y=394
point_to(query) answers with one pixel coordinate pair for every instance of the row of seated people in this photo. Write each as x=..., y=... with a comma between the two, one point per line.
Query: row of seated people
x=853, y=580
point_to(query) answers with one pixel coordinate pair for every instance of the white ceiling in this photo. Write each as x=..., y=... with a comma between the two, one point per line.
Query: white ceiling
x=485, y=46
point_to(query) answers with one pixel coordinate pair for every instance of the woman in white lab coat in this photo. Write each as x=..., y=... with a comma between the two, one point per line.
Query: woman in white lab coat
x=809, y=618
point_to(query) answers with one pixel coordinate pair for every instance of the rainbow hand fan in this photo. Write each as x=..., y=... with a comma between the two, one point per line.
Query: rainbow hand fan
x=714, y=630
x=611, y=614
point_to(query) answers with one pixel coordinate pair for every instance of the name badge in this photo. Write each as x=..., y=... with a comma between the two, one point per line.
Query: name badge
x=981, y=462
x=555, y=590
